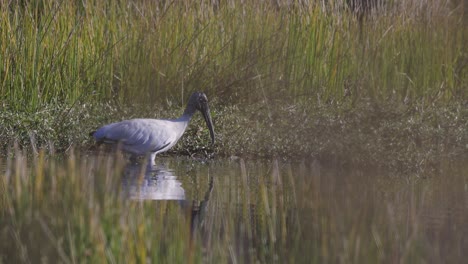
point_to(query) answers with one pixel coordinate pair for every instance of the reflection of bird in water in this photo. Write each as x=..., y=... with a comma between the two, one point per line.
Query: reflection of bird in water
x=161, y=184
x=157, y=184
x=197, y=209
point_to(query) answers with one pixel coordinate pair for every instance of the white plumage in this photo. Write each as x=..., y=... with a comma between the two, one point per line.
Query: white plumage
x=153, y=136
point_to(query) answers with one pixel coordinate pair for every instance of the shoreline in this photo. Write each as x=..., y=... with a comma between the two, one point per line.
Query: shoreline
x=404, y=138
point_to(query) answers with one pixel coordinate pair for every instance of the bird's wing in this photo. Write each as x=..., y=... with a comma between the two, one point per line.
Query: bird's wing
x=137, y=135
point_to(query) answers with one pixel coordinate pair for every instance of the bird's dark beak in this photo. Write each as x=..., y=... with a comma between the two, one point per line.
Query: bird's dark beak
x=206, y=114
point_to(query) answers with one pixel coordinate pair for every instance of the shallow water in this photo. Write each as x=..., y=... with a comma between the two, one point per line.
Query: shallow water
x=425, y=215
x=245, y=211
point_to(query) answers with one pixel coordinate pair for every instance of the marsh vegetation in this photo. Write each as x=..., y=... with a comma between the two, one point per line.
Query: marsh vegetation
x=96, y=207
x=312, y=101
x=392, y=83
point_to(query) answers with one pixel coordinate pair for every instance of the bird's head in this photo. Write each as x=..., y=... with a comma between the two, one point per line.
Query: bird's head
x=200, y=102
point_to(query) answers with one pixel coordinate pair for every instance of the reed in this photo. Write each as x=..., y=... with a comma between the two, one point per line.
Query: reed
x=63, y=53
x=238, y=211
x=389, y=84
x=268, y=68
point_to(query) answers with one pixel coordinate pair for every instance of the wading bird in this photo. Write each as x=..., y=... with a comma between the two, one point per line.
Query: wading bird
x=153, y=136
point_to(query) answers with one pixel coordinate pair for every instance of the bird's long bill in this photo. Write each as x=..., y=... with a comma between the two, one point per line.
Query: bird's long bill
x=209, y=123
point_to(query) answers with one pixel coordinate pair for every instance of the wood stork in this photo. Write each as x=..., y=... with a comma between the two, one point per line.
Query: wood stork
x=153, y=136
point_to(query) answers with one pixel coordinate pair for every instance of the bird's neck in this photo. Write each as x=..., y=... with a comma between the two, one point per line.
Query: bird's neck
x=185, y=118
x=188, y=113
x=183, y=121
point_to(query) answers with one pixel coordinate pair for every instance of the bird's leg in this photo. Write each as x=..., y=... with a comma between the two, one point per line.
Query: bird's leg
x=151, y=159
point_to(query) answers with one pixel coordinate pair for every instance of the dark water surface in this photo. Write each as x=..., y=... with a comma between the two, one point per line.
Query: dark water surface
x=305, y=211
x=237, y=211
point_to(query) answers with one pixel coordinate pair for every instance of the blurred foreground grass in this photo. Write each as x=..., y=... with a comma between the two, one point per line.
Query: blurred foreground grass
x=74, y=208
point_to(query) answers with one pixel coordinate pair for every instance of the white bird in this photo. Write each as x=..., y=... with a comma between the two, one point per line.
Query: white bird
x=153, y=136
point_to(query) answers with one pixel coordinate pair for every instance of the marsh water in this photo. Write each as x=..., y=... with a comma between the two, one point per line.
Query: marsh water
x=330, y=209
x=242, y=211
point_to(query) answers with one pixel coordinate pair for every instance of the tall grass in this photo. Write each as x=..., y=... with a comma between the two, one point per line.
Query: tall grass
x=75, y=209
x=78, y=215
x=143, y=51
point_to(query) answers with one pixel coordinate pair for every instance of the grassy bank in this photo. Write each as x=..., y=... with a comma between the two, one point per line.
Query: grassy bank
x=284, y=80
x=401, y=137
